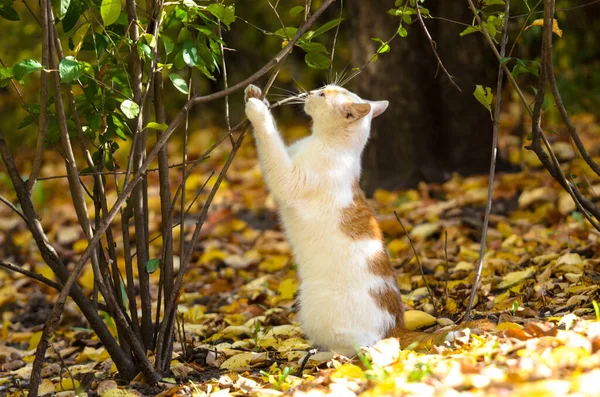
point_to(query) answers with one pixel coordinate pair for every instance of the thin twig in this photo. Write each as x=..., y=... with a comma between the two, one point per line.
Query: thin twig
x=432, y=44
x=447, y=263
x=337, y=30
x=488, y=206
x=419, y=263
x=30, y=274
x=12, y=207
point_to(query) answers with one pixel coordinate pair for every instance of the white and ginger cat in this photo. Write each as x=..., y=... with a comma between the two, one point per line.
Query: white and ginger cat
x=348, y=293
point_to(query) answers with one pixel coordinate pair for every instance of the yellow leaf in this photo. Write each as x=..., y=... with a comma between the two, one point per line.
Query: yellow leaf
x=35, y=340
x=243, y=361
x=80, y=246
x=67, y=384
x=415, y=319
x=274, y=263
x=396, y=246
x=385, y=197
x=46, y=387
x=287, y=289
x=569, y=259
x=211, y=255
x=555, y=28
x=348, y=371
x=508, y=325
x=513, y=278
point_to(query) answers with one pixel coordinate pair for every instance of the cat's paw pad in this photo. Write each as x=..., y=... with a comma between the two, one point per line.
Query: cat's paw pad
x=252, y=91
x=256, y=110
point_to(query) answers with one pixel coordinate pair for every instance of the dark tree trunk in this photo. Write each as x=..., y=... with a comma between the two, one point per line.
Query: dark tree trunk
x=430, y=128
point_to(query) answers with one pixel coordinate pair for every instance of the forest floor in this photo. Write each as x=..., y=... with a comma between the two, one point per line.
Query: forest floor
x=535, y=330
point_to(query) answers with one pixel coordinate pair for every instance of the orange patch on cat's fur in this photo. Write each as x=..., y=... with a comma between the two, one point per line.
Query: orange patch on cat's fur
x=390, y=300
x=358, y=219
x=359, y=223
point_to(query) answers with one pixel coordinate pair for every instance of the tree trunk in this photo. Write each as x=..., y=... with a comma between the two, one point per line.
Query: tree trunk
x=430, y=128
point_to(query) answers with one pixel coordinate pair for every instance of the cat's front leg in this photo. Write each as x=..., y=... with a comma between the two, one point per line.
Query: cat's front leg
x=277, y=165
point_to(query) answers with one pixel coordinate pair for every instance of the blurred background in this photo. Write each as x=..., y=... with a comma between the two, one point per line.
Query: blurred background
x=430, y=130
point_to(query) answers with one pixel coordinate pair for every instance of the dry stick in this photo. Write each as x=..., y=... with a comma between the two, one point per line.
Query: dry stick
x=337, y=30
x=167, y=271
x=100, y=173
x=136, y=159
x=30, y=274
x=552, y=165
x=12, y=207
x=432, y=44
x=567, y=120
x=446, y=257
x=419, y=262
x=225, y=83
x=488, y=206
x=54, y=317
x=43, y=120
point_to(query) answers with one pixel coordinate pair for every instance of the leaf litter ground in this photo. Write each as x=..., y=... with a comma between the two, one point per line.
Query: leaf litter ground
x=535, y=330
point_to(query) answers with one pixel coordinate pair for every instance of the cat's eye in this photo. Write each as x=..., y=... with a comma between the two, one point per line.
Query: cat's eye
x=322, y=94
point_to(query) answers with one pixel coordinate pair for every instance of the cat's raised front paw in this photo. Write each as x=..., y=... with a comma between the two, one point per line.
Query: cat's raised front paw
x=252, y=91
x=256, y=111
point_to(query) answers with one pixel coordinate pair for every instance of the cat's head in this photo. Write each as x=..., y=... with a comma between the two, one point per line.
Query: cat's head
x=333, y=105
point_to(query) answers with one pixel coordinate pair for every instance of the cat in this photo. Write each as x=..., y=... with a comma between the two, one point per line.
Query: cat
x=348, y=294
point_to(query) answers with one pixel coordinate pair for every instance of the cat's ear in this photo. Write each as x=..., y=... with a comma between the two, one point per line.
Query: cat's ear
x=354, y=111
x=378, y=107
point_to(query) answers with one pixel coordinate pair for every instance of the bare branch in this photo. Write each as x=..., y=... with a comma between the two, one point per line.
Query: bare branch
x=30, y=274
x=12, y=207
x=488, y=206
x=419, y=263
x=433, y=47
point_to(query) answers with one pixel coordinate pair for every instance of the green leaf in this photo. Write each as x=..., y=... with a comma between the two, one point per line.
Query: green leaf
x=168, y=43
x=317, y=60
x=484, y=96
x=284, y=34
x=6, y=75
x=402, y=31
x=70, y=69
x=190, y=53
x=504, y=60
x=25, y=67
x=225, y=14
x=72, y=16
x=153, y=265
x=63, y=7
x=313, y=47
x=296, y=10
x=110, y=11
x=383, y=48
x=9, y=13
x=156, y=126
x=493, y=2
x=469, y=30
x=145, y=50
x=130, y=109
x=327, y=26
x=179, y=83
